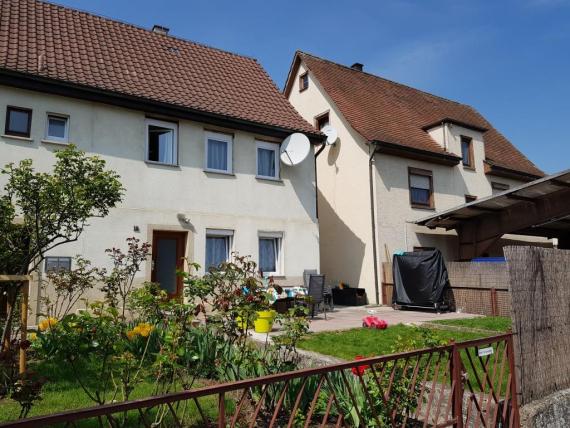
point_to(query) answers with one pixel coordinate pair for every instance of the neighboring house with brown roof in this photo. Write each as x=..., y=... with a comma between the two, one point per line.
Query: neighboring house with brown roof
x=401, y=154
x=193, y=131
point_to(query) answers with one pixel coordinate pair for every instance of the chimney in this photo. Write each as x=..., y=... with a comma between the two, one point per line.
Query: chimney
x=357, y=66
x=160, y=30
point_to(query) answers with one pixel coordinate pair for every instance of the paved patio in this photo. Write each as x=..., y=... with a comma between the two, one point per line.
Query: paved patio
x=347, y=317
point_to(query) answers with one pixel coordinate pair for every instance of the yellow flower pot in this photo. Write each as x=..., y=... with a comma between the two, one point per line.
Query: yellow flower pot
x=264, y=321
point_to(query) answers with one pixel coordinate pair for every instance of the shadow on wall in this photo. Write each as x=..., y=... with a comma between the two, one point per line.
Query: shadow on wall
x=342, y=252
x=302, y=179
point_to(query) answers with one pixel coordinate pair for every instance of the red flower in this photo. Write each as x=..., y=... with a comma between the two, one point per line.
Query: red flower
x=359, y=370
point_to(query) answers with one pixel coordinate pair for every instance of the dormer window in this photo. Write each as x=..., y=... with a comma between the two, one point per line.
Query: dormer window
x=303, y=81
x=467, y=152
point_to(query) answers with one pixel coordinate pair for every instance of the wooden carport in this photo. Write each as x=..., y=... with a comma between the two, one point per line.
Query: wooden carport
x=539, y=208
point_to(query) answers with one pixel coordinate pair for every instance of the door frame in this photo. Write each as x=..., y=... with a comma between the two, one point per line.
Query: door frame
x=181, y=238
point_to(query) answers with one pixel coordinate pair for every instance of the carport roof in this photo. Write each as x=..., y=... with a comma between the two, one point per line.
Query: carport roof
x=534, y=192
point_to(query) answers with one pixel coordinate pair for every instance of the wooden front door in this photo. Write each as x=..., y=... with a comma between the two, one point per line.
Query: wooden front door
x=168, y=250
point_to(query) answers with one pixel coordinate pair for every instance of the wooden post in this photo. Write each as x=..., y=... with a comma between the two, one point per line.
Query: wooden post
x=24, y=280
x=515, y=417
x=221, y=410
x=456, y=375
x=24, y=323
x=6, y=344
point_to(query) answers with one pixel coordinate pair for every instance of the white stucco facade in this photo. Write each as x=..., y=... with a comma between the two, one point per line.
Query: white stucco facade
x=345, y=202
x=343, y=193
x=157, y=197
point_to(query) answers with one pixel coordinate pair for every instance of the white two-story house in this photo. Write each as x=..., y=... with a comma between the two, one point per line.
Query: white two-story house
x=400, y=155
x=193, y=131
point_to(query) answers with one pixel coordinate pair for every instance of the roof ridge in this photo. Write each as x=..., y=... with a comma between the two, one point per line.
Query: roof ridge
x=141, y=28
x=383, y=78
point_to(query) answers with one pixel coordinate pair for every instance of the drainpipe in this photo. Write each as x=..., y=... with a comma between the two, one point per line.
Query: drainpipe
x=316, y=183
x=373, y=221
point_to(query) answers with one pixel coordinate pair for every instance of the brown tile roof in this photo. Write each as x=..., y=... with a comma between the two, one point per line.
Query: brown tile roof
x=382, y=110
x=67, y=45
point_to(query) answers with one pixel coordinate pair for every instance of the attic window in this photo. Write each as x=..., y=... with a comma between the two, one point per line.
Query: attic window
x=322, y=120
x=303, y=81
x=467, y=152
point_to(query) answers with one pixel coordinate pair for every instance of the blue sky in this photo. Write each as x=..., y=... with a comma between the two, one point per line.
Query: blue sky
x=508, y=59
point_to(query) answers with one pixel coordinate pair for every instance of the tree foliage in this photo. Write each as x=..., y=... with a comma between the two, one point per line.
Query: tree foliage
x=40, y=210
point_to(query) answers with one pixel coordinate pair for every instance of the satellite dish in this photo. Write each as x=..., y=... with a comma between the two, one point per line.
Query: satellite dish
x=331, y=133
x=295, y=149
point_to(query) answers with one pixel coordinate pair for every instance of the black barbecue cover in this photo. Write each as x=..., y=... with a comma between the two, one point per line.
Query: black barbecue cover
x=420, y=278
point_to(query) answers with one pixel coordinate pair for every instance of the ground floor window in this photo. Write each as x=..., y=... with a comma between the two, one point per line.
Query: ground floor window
x=270, y=253
x=218, y=247
x=56, y=264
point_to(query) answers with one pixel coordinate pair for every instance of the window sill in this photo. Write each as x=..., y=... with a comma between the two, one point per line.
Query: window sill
x=264, y=178
x=170, y=165
x=469, y=168
x=219, y=171
x=273, y=275
x=55, y=142
x=423, y=207
x=18, y=138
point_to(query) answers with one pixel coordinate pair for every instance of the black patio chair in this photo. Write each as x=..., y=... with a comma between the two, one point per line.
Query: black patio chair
x=316, y=294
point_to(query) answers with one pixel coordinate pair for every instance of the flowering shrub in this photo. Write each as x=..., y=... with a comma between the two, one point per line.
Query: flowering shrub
x=64, y=288
x=139, y=334
x=119, y=281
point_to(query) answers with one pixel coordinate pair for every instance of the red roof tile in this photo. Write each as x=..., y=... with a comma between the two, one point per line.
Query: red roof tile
x=382, y=110
x=67, y=45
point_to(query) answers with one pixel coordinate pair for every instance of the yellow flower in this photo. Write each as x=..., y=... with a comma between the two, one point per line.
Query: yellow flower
x=143, y=329
x=32, y=336
x=47, y=324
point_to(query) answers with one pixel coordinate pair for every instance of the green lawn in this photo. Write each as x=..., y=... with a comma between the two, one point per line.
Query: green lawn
x=62, y=393
x=348, y=344
x=500, y=324
x=371, y=342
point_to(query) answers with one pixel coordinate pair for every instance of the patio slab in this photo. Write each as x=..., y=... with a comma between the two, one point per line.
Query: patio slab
x=347, y=317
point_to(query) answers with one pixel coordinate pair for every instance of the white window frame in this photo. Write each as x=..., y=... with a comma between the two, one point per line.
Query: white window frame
x=229, y=140
x=163, y=124
x=267, y=146
x=65, y=139
x=220, y=233
x=279, y=265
